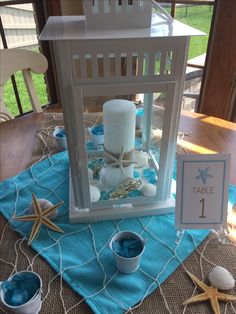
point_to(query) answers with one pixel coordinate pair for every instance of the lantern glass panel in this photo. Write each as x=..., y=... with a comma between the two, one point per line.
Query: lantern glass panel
x=158, y=109
x=104, y=171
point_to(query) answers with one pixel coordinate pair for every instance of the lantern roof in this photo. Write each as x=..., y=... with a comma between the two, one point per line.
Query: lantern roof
x=74, y=28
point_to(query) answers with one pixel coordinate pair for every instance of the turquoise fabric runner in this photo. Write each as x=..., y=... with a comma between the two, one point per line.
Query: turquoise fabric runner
x=82, y=255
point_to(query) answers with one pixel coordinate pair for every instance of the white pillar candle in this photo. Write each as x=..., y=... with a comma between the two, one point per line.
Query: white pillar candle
x=119, y=133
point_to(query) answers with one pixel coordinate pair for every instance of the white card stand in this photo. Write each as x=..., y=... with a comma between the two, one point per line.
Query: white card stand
x=179, y=235
x=222, y=234
x=202, y=193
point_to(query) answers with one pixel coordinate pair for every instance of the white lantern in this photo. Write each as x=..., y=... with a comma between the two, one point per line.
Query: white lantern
x=135, y=165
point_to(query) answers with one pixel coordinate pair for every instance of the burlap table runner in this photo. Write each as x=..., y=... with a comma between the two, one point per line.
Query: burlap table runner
x=176, y=289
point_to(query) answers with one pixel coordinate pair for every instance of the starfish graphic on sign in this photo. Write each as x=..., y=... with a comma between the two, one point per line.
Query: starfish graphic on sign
x=203, y=175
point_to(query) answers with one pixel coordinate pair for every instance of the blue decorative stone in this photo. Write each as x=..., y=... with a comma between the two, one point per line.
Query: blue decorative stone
x=138, y=143
x=19, y=297
x=139, y=112
x=136, y=174
x=152, y=180
x=148, y=172
x=21, y=288
x=149, y=175
x=104, y=196
x=134, y=193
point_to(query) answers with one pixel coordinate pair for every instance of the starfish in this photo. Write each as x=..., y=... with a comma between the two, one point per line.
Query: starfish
x=120, y=162
x=210, y=293
x=203, y=175
x=40, y=218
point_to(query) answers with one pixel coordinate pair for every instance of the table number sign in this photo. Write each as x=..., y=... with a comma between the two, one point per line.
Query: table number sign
x=202, y=191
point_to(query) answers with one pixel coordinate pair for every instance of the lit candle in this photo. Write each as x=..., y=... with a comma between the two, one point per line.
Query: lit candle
x=119, y=138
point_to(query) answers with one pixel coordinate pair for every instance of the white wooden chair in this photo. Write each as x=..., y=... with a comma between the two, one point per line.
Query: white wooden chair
x=13, y=60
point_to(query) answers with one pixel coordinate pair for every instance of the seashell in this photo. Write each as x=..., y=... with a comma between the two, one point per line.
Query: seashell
x=141, y=159
x=44, y=204
x=149, y=189
x=95, y=193
x=221, y=278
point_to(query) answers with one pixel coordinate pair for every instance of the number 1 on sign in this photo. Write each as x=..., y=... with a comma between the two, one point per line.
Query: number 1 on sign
x=202, y=201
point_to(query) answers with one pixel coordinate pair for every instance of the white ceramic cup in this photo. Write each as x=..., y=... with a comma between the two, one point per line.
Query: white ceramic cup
x=60, y=141
x=97, y=139
x=33, y=306
x=127, y=264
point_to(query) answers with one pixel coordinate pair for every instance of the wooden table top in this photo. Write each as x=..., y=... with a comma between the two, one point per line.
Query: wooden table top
x=206, y=135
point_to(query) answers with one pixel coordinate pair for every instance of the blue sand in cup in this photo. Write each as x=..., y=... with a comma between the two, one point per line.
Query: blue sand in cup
x=127, y=247
x=98, y=130
x=20, y=289
x=61, y=133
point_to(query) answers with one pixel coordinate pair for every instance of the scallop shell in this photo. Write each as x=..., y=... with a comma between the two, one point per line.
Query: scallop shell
x=149, y=189
x=221, y=278
x=95, y=193
x=44, y=204
x=141, y=159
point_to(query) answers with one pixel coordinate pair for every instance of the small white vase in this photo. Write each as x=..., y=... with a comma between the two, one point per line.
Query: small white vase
x=127, y=264
x=97, y=139
x=31, y=306
x=60, y=138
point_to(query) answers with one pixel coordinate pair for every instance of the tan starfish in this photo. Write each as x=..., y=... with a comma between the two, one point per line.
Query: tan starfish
x=40, y=218
x=120, y=162
x=210, y=293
